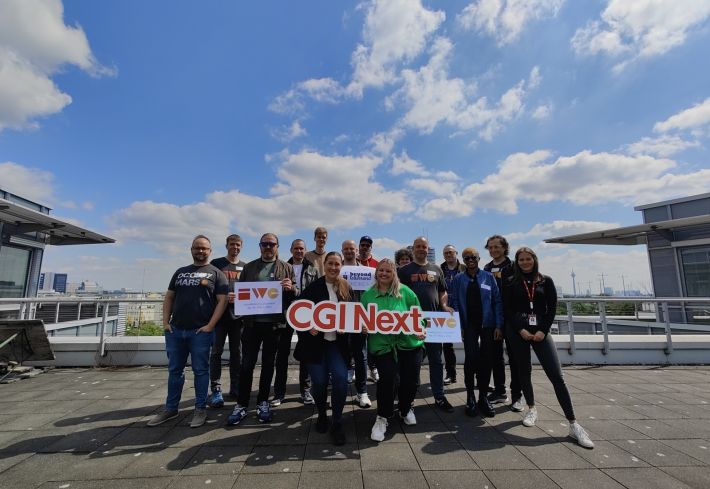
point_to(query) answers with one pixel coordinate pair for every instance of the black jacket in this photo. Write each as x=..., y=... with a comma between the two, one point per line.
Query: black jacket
x=310, y=348
x=516, y=304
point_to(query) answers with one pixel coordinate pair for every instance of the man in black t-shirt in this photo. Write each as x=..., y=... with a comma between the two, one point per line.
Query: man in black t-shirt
x=194, y=302
x=427, y=281
x=228, y=325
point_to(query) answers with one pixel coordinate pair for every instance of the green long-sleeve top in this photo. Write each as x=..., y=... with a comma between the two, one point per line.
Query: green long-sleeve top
x=380, y=344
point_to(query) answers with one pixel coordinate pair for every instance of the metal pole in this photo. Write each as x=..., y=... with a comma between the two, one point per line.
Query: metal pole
x=570, y=325
x=669, y=337
x=605, y=326
x=102, y=344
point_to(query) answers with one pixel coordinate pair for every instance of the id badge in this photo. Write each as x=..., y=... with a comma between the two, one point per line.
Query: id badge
x=532, y=320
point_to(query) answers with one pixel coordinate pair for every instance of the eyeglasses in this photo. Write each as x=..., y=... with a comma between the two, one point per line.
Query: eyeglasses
x=366, y=245
x=268, y=244
x=470, y=258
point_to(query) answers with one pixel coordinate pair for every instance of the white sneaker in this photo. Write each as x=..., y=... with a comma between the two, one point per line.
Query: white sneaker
x=576, y=432
x=530, y=417
x=410, y=419
x=364, y=400
x=517, y=406
x=374, y=374
x=379, y=429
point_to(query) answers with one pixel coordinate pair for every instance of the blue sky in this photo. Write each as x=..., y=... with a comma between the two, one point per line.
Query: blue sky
x=155, y=121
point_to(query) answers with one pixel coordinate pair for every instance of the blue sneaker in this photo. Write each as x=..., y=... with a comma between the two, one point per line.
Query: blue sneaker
x=237, y=415
x=216, y=400
x=263, y=412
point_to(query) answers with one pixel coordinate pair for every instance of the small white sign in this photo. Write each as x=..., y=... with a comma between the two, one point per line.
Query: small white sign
x=359, y=277
x=442, y=327
x=254, y=298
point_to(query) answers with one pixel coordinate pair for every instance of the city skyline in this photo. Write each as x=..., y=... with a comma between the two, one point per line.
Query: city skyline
x=152, y=122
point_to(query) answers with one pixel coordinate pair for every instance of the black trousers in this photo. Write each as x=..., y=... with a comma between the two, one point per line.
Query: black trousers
x=450, y=360
x=407, y=364
x=283, y=350
x=257, y=336
x=478, y=363
x=231, y=328
x=499, y=372
x=546, y=353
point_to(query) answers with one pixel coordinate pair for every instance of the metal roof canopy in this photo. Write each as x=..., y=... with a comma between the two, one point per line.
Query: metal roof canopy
x=18, y=220
x=633, y=235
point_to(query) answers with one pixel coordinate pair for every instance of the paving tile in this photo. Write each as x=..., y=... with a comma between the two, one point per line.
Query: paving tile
x=460, y=479
x=388, y=456
x=646, y=478
x=140, y=483
x=278, y=458
x=656, y=453
x=267, y=481
x=389, y=479
x=520, y=479
x=696, y=448
x=329, y=480
x=442, y=456
x=606, y=454
x=582, y=478
x=696, y=477
x=658, y=430
x=553, y=456
x=329, y=458
x=159, y=463
x=497, y=456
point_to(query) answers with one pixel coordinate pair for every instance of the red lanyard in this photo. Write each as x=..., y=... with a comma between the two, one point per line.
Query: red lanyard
x=530, y=292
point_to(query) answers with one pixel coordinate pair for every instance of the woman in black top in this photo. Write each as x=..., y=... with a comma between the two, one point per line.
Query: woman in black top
x=326, y=354
x=530, y=301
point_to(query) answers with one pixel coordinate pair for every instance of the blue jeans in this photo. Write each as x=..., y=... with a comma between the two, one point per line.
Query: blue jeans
x=436, y=368
x=333, y=363
x=178, y=345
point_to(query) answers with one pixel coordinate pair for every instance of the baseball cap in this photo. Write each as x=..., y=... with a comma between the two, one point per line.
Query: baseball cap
x=366, y=238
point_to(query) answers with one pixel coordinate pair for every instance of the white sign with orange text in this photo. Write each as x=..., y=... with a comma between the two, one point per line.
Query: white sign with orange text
x=442, y=327
x=254, y=298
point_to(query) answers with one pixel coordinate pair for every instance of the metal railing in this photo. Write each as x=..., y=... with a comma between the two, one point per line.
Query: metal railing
x=603, y=316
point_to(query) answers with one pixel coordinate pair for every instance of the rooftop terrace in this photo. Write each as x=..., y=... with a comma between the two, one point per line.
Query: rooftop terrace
x=85, y=428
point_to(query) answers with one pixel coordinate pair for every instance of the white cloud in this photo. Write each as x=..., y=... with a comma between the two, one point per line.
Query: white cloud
x=431, y=98
x=311, y=189
x=34, y=44
x=432, y=186
x=561, y=228
x=542, y=112
x=395, y=31
x=583, y=179
x=402, y=163
x=287, y=134
x=30, y=183
x=505, y=20
x=662, y=146
x=381, y=245
x=640, y=29
x=696, y=116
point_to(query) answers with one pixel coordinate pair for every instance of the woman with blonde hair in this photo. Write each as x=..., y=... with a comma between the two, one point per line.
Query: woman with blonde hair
x=394, y=354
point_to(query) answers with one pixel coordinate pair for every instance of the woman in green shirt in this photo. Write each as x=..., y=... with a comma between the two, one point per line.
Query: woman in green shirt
x=394, y=354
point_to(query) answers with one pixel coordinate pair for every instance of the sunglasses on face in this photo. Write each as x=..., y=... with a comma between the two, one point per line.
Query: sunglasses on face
x=470, y=258
x=267, y=244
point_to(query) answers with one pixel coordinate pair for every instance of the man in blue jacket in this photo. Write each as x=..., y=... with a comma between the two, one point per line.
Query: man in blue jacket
x=476, y=296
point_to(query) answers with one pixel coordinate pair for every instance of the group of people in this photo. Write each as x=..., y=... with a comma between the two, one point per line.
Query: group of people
x=504, y=304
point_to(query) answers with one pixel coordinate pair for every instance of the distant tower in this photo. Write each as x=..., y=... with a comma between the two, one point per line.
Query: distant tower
x=574, y=284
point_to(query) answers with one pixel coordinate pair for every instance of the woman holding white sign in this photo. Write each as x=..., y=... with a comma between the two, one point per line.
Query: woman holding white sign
x=393, y=353
x=530, y=301
x=326, y=353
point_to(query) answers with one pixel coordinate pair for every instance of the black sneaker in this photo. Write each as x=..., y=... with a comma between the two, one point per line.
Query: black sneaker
x=498, y=397
x=443, y=404
x=322, y=423
x=471, y=409
x=485, y=408
x=337, y=434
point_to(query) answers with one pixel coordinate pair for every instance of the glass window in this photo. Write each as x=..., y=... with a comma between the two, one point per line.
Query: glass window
x=696, y=271
x=14, y=267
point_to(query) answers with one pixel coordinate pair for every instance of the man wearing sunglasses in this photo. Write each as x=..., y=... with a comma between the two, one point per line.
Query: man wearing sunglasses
x=475, y=295
x=261, y=331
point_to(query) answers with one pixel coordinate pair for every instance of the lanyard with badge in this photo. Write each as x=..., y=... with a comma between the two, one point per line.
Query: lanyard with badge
x=532, y=318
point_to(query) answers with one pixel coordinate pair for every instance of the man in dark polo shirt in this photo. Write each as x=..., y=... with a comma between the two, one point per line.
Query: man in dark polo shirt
x=194, y=302
x=229, y=325
x=427, y=281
